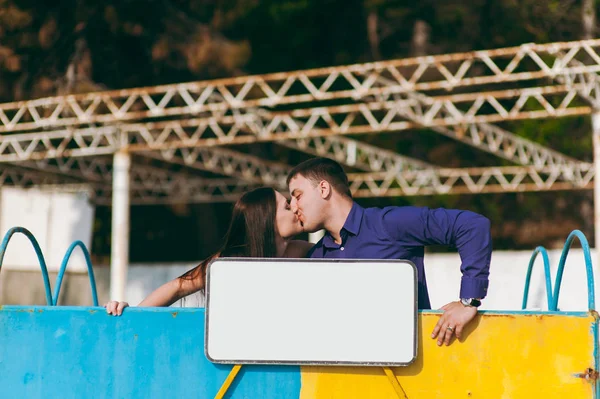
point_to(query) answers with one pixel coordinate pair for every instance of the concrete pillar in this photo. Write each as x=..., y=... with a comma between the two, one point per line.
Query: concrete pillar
x=119, y=259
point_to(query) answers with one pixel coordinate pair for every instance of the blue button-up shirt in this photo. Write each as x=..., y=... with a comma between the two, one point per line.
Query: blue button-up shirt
x=402, y=232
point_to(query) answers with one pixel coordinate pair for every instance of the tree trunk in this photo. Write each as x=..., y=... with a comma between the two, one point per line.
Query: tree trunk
x=588, y=17
x=420, y=39
x=373, y=34
x=79, y=68
x=19, y=89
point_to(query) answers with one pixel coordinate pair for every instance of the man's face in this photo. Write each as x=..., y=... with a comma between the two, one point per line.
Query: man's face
x=307, y=203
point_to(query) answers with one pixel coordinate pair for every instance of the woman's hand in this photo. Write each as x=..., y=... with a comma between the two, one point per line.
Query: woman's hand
x=115, y=307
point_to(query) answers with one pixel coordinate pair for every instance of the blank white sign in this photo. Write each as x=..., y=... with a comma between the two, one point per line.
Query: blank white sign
x=337, y=312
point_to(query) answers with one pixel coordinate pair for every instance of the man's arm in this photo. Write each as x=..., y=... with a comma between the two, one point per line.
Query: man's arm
x=470, y=233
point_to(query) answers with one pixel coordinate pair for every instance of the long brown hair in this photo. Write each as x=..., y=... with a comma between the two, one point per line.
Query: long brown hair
x=251, y=233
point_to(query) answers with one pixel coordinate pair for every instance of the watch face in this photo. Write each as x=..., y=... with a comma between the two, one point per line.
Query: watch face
x=471, y=302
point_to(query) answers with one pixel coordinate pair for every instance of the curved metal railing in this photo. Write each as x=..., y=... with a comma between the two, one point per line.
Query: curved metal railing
x=588, y=267
x=63, y=268
x=38, y=252
x=52, y=300
x=553, y=296
x=538, y=251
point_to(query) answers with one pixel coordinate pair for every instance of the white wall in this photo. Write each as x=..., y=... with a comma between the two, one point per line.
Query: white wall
x=55, y=218
x=507, y=280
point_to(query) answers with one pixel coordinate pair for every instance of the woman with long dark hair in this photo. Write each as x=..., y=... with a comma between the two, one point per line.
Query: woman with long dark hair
x=262, y=225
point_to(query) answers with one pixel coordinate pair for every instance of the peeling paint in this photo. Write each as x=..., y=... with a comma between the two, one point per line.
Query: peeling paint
x=589, y=375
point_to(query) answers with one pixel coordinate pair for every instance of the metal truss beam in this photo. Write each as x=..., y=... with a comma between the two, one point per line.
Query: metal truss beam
x=374, y=117
x=484, y=136
x=153, y=185
x=156, y=185
x=587, y=83
x=471, y=181
x=11, y=175
x=355, y=153
x=227, y=162
x=408, y=183
x=149, y=184
x=221, y=161
x=90, y=169
x=523, y=63
x=194, y=192
x=225, y=114
x=347, y=151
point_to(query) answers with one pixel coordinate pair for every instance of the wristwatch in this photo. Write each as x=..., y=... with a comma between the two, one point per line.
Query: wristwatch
x=471, y=302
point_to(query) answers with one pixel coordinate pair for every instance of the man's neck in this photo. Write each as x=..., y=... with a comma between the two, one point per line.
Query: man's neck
x=338, y=214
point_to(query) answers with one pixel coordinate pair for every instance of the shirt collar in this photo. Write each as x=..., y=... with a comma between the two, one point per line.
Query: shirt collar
x=351, y=225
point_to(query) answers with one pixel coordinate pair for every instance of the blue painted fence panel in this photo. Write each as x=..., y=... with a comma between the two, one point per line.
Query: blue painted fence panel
x=79, y=352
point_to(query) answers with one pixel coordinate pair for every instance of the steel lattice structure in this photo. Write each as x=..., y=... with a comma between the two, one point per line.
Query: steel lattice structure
x=185, y=139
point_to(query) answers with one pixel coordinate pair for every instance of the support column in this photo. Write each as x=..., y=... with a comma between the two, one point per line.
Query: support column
x=119, y=257
x=351, y=153
x=596, y=143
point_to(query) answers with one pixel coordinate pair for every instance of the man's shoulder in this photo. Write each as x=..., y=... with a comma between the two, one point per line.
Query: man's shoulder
x=385, y=222
x=375, y=212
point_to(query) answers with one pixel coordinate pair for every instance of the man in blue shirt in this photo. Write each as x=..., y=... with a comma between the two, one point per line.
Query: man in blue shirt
x=322, y=200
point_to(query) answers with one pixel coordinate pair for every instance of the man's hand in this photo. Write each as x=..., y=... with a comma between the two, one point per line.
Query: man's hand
x=455, y=317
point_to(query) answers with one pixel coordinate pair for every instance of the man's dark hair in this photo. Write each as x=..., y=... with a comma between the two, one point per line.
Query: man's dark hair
x=317, y=169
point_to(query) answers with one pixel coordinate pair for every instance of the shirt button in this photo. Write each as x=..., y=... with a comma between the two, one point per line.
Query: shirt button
x=342, y=248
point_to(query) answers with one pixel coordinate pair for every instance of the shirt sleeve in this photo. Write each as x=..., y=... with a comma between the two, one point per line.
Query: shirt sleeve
x=469, y=232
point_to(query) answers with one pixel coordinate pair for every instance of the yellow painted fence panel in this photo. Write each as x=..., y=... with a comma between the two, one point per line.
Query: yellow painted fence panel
x=502, y=355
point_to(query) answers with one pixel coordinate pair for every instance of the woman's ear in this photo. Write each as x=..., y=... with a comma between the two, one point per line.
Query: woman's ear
x=325, y=189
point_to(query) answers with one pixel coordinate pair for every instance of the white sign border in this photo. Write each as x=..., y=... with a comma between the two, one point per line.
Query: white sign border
x=312, y=363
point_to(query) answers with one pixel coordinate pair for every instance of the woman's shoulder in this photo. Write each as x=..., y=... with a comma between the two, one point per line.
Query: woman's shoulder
x=297, y=249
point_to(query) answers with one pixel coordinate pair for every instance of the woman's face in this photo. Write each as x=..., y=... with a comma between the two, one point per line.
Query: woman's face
x=286, y=222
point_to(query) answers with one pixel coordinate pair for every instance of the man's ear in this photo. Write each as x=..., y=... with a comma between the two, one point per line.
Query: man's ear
x=325, y=189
